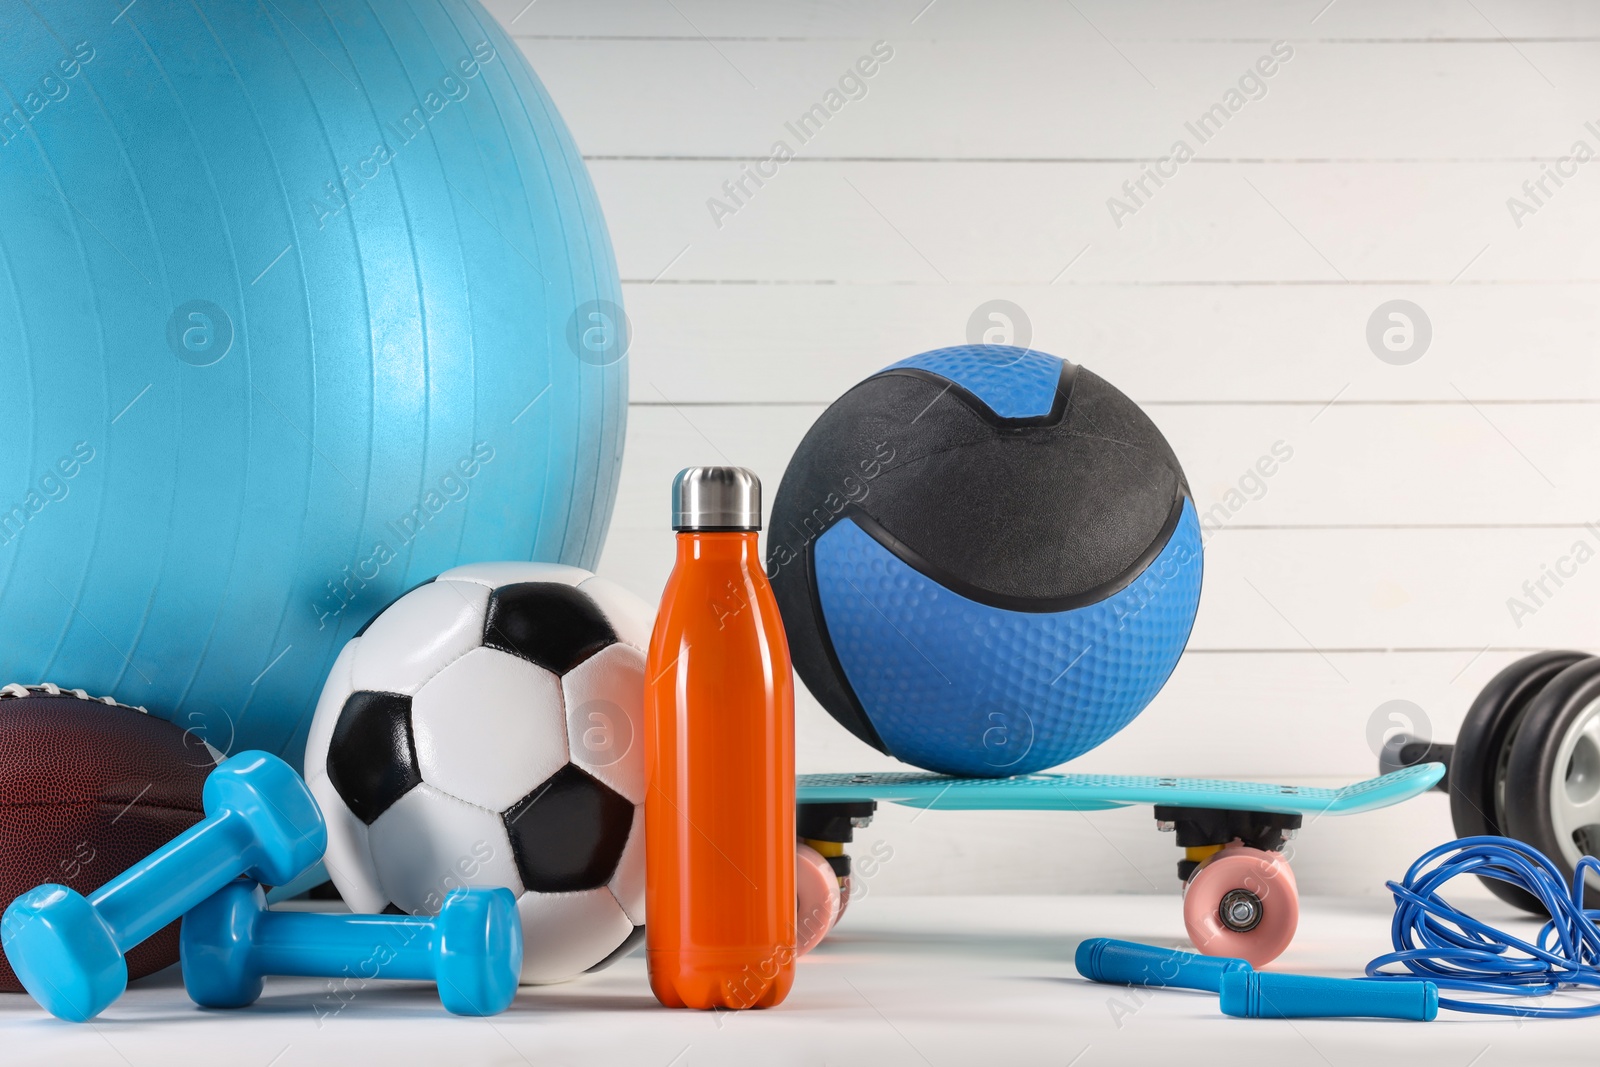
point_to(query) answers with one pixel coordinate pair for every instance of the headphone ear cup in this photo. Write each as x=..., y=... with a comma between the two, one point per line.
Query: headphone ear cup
x=1483, y=751
x=1552, y=781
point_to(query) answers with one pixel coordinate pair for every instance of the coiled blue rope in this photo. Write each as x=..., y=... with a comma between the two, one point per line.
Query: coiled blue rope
x=1436, y=941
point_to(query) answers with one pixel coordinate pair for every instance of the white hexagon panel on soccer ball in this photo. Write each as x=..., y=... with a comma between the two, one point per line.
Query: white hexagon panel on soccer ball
x=605, y=718
x=415, y=637
x=349, y=856
x=564, y=934
x=429, y=843
x=489, y=728
x=627, y=884
x=495, y=575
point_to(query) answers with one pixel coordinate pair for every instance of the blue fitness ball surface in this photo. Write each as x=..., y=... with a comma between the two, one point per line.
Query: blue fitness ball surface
x=301, y=303
x=987, y=559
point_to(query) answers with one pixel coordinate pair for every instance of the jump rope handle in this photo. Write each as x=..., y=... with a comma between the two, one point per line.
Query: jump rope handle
x=1251, y=994
x=1102, y=959
x=1257, y=995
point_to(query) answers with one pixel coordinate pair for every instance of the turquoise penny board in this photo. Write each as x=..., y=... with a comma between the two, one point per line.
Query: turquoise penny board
x=1097, y=792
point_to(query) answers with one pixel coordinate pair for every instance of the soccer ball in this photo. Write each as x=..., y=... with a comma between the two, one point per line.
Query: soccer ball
x=486, y=729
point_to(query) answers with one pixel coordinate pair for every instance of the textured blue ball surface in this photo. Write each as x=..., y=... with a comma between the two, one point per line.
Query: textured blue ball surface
x=301, y=303
x=1014, y=383
x=966, y=688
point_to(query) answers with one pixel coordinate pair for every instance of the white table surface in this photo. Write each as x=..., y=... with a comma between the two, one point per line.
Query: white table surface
x=905, y=980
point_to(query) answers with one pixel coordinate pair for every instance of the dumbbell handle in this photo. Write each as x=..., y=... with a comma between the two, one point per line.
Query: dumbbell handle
x=314, y=945
x=174, y=878
x=1403, y=750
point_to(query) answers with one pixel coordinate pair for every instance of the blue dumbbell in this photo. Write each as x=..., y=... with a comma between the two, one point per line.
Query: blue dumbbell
x=472, y=951
x=67, y=949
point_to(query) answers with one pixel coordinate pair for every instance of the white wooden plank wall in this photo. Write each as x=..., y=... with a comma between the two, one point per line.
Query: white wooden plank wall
x=1233, y=302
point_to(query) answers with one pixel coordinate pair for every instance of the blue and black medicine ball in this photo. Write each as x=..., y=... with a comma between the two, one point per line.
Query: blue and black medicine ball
x=988, y=560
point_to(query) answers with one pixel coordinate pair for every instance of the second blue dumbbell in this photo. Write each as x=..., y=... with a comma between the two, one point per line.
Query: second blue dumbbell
x=472, y=951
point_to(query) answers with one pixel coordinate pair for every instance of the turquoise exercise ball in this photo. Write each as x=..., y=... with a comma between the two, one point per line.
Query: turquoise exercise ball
x=301, y=303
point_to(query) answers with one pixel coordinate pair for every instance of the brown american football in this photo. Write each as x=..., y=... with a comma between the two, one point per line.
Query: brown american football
x=88, y=787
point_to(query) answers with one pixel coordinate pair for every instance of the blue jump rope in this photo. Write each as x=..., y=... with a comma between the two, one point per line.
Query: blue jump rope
x=1438, y=945
x=1438, y=942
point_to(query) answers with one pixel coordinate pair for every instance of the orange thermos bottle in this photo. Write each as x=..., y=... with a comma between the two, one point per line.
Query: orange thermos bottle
x=719, y=736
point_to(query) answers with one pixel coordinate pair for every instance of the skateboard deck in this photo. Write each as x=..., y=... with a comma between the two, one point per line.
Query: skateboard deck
x=1098, y=792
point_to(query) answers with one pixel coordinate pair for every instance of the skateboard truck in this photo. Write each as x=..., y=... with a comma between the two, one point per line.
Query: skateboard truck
x=1204, y=831
x=828, y=827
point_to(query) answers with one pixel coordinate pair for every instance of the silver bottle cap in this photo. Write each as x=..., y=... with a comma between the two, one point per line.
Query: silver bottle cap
x=716, y=498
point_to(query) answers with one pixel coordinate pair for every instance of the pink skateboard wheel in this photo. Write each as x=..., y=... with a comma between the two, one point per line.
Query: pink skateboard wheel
x=818, y=900
x=1243, y=903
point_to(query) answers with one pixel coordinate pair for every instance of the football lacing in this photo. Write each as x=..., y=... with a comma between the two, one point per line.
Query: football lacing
x=17, y=689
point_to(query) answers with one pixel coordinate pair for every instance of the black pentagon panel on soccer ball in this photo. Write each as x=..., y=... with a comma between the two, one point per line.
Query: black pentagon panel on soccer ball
x=629, y=943
x=548, y=623
x=372, y=759
x=568, y=834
